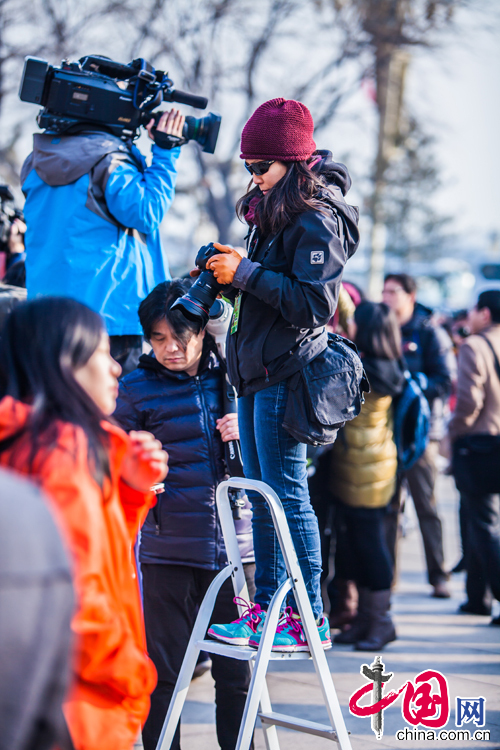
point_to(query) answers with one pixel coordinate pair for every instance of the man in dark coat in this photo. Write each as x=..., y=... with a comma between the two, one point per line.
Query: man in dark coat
x=477, y=413
x=176, y=393
x=429, y=357
x=36, y=605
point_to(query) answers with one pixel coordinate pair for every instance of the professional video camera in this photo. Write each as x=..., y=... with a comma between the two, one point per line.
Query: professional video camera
x=98, y=91
x=8, y=215
x=196, y=304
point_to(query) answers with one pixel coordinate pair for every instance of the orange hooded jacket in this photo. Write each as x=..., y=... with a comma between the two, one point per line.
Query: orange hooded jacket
x=113, y=676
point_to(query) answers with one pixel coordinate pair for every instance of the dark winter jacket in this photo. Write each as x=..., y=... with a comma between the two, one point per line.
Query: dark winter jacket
x=181, y=411
x=290, y=285
x=428, y=354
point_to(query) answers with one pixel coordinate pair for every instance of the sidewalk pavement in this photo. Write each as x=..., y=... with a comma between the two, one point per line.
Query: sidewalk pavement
x=431, y=635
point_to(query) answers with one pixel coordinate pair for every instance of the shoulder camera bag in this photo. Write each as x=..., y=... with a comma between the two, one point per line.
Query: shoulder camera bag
x=326, y=393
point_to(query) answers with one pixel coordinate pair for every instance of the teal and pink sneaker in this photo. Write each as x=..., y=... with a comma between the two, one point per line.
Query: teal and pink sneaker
x=239, y=632
x=290, y=635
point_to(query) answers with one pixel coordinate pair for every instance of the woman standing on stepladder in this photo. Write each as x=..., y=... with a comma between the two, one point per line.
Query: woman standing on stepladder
x=301, y=234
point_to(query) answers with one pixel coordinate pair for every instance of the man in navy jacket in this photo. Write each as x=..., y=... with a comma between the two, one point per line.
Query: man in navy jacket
x=428, y=354
x=176, y=393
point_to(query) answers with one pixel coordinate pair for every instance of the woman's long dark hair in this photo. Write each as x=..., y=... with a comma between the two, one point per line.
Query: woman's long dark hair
x=296, y=192
x=378, y=333
x=43, y=342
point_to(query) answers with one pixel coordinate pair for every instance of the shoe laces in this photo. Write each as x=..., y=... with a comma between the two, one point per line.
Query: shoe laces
x=290, y=622
x=252, y=613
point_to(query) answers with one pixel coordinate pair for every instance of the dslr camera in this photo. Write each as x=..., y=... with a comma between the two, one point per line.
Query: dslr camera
x=196, y=304
x=118, y=97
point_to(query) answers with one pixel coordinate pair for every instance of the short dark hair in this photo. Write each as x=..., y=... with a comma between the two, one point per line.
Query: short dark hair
x=157, y=306
x=407, y=282
x=491, y=300
x=378, y=332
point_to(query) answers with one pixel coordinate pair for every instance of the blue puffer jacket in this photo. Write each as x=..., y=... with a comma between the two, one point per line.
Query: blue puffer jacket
x=93, y=210
x=181, y=412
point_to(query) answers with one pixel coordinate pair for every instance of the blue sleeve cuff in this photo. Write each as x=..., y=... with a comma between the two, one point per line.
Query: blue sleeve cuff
x=243, y=273
x=166, y=154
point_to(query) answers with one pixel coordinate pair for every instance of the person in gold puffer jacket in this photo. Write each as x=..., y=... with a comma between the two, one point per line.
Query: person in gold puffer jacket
x=363, y=475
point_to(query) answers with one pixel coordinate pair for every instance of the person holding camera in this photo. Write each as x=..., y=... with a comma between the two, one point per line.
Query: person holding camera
x=177, y=394
x=301, y=233
x=93, y=211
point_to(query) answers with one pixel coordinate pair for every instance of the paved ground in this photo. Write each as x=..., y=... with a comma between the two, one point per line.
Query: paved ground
x=465, y=648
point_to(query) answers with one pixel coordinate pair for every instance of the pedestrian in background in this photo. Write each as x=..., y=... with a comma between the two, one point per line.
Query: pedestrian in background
x=59, y=385
x=474, y=430
x=428, y=355
x=363, y=476
x=340, y=592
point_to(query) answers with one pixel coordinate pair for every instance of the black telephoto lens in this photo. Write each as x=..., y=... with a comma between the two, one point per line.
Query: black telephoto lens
x=203, y=130
x=196, y=304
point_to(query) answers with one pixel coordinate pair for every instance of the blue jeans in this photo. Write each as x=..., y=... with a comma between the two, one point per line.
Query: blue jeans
x=273, y=456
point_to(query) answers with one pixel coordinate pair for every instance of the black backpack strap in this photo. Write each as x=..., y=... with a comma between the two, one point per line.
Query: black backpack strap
x=495, y=358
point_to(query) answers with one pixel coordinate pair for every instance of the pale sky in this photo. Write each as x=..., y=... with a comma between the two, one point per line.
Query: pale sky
x=457, y=91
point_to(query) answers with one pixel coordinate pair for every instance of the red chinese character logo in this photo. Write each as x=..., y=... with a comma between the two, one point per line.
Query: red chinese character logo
x=421, y=705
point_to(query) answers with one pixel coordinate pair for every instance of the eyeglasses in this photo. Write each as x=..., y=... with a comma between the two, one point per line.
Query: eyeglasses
x=259, y=168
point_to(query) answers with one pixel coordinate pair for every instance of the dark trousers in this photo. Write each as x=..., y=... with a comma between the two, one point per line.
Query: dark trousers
x=421, y=480
x=172, y=595
x=369, y=555
x=126, y=350
x=482, y=549
x=334, y=543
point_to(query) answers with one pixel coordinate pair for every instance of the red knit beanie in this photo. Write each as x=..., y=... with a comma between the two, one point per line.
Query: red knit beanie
x=280, y=129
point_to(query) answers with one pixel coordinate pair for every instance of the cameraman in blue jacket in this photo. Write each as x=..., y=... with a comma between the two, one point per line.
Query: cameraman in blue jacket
x=177, y=394
x=93, y=211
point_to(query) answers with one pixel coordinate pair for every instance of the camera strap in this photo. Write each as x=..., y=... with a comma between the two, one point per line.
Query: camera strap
x=236, y=313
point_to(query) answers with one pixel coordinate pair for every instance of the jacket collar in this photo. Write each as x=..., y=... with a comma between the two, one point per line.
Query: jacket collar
x=209, y=361
x=14, y=414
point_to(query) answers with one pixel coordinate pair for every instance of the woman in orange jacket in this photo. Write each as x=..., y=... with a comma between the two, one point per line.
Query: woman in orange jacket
x=58, y=385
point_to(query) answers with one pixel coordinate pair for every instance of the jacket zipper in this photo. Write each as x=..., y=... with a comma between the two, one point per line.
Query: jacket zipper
x=210, y=449
x=157, y=515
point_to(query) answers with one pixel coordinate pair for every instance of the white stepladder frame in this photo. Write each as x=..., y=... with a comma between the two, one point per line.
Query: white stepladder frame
x=258, y=695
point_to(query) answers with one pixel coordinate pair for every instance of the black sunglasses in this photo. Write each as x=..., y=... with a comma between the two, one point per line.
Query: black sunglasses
x=259, y=168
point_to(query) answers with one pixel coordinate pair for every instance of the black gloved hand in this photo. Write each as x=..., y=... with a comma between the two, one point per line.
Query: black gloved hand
x=168, y=141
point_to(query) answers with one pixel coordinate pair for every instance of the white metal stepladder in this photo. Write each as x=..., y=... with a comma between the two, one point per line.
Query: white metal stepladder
x=258, y=703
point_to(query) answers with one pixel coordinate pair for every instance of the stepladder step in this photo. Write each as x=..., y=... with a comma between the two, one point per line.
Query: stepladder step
x=299, y=725
x=245, y=653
